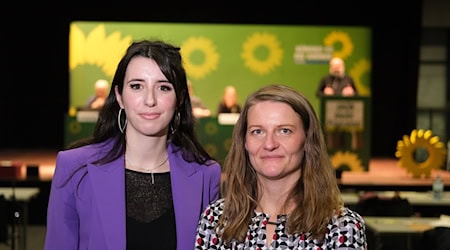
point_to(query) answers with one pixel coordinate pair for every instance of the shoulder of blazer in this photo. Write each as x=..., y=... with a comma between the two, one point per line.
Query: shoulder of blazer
x=180, y=164
x=70, y=162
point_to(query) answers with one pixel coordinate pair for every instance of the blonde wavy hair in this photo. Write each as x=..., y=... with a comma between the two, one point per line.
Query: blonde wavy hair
x=316, y=194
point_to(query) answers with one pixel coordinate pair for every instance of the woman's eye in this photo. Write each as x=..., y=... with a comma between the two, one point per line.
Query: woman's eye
x=256, y=131
x=285, y=131
x=135, y=86
x=166, y=87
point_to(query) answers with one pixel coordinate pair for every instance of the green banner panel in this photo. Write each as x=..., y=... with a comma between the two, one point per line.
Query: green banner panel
x=217, y=55
x=346, y=125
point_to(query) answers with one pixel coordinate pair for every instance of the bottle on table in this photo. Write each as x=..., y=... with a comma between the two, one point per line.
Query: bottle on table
x=438, y=188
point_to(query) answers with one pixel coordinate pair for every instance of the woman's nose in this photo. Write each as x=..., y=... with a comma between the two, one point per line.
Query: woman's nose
x=271, y=142
x=150, y=98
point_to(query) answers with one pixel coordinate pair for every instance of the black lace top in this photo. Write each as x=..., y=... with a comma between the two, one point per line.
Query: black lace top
x=150, y=214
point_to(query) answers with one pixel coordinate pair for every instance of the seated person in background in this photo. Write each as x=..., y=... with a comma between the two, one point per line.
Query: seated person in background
x=198, y=108
x=229, y=102
x=101, y=92
x=337, y=82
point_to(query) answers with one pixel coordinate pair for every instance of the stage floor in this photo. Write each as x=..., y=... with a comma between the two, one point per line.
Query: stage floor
x=44, y=159
x=382, y=171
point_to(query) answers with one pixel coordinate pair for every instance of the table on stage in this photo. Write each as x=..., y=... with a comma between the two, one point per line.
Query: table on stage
x=21, y=196
x=20, y=193
x=422, y=203
x=406, y=230
x=387, y=175
x=414, y=198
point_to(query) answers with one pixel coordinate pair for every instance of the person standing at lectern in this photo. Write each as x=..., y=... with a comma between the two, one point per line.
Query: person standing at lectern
x=337, y=82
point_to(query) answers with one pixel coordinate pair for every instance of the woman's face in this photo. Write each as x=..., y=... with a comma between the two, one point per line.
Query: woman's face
x=148, y=98
x=230, y=96
x=274, y=140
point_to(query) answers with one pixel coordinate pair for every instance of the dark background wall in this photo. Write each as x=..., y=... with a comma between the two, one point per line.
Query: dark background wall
x=34, y=57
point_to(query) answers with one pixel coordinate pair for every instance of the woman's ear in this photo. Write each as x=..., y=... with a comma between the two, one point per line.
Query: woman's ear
x=118, y=96
x=183, y=97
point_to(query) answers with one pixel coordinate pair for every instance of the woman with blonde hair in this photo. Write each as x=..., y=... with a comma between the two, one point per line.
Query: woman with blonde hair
x=280, y=189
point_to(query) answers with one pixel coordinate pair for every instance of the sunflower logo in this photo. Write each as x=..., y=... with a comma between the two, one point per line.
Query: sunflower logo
x=346, y=161
x=209, y=58
x=96, y=48
x=343, y=39
x=420, y=141
x=262, y=53
x=74, y=127
x=211, y=128
x=358, y=70
x=211, y=148
x=227, y=143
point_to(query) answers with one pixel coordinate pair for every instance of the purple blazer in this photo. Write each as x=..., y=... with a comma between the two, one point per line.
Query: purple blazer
x=86, y=208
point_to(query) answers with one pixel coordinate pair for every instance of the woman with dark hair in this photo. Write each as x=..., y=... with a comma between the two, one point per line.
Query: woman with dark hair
x=229, y=102
x=143, y=179
x=279, y=190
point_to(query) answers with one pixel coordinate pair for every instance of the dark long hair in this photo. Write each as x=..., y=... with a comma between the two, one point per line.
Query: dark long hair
x=170, y=62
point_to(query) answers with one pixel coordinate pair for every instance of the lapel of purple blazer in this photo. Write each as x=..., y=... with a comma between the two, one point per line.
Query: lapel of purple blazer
x=108, y=187
x=187, y=183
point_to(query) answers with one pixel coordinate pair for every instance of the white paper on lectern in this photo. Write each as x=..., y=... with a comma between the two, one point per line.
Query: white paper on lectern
x=87, y=116
x=228, y=118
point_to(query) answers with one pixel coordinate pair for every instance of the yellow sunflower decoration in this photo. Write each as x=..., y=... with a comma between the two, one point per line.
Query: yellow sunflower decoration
x=206, y=47
x=420, y=141
x=74, y=127
x=360, y=68
x=211, y=128
x=344, y=39
x=97, y=48
x=346, y=161
x=212, y=149
x=262, y=40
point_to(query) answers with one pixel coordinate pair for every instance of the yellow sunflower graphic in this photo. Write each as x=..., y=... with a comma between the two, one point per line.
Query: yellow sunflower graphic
x=210, y=56
x=357, y=71
x=344, y=39
x=262, y=40
x=74, y=127
x=211, y=148
x=420, y=141
x=227, y=144
x=346, y=161
x=211, y=128
x=96, y=48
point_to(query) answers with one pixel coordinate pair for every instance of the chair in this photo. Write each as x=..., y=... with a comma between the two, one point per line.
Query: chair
x=386, y=207
x=376, y=206
x=3, y=220
x=437, y=239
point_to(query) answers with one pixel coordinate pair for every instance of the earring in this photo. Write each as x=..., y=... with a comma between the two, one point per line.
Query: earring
x=119, y=121
x=176, y=123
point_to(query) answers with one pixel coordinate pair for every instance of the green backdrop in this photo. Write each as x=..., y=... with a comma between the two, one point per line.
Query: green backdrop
x=216, y=55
